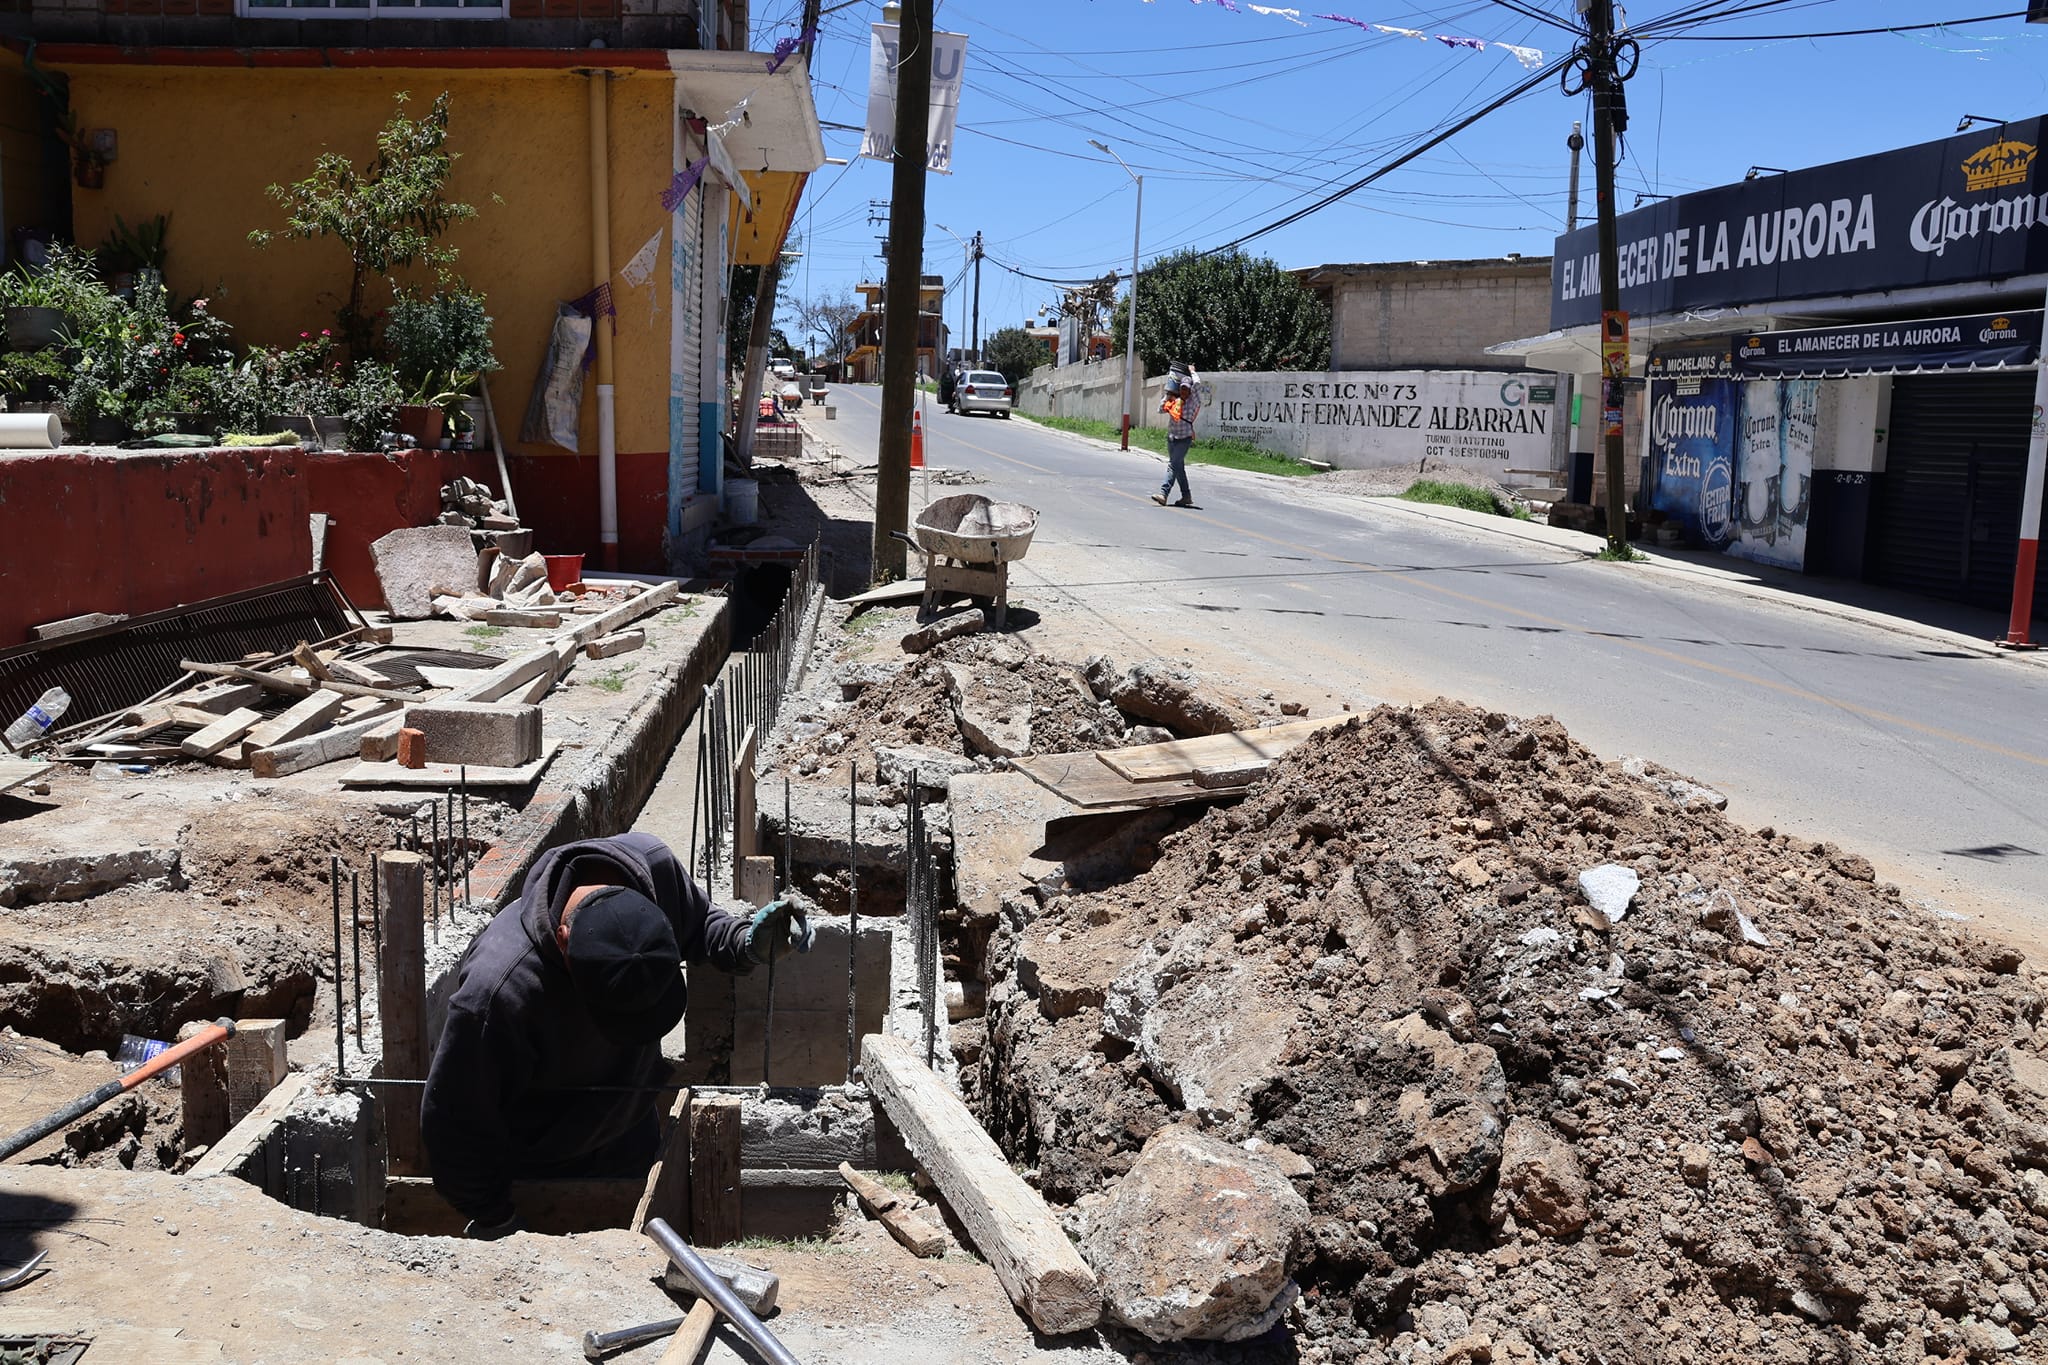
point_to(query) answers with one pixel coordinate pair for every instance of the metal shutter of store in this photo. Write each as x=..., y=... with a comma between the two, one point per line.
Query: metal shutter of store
x=1947, y=517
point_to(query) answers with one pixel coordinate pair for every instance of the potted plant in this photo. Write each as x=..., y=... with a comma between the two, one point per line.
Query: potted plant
x=440, y=345
x=127, y=252
x=43, y=303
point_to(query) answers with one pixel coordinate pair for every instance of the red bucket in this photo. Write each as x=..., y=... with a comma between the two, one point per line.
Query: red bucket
x=563, y=570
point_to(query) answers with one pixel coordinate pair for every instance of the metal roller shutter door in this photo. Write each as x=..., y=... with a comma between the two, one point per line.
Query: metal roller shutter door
x=1948, y=509
x=689, y=302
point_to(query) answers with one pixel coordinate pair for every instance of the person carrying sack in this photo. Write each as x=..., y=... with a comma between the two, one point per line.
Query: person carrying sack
x=1182, y=404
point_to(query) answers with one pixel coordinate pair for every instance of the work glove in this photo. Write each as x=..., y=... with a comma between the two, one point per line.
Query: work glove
x=778, y=927
x=476, y=1230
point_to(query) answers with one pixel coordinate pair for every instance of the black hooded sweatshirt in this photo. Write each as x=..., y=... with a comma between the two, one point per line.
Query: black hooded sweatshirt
x=518, y=1036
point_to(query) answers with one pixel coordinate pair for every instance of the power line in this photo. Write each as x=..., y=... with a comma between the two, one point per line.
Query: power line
x=1832, y=33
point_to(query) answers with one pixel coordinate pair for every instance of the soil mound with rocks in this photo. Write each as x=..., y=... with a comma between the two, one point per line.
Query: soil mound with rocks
x=1756, y=1108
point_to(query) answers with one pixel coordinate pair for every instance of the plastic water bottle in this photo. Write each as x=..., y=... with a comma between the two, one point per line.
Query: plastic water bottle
x=37, y=720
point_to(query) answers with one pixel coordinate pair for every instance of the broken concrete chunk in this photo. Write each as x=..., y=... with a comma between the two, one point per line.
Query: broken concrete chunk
x=1541, y=1182
x=415, y=564
x=921, y=641
x=993, y=711
x=1610, y=888
x=1193, y=1244
x=854, y=679
x=481, y=734
x=1158, y=690
x=1100, y=673
x=932, y=768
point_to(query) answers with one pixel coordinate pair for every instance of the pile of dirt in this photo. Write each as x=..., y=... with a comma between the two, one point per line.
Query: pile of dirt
x=1770, y=1113
x=919, y=703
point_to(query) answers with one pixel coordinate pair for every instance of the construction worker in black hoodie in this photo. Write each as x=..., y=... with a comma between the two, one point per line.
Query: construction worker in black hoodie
x=550, y=1060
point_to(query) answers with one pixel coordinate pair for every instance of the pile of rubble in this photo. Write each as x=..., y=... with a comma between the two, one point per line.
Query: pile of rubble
x=1505, y=1053
x=968, y=702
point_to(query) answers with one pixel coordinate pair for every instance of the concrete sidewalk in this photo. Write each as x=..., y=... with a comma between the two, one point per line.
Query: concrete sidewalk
x=1951, y=625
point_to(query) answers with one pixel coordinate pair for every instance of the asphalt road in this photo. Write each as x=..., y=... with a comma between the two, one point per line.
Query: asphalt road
x=1924, y=758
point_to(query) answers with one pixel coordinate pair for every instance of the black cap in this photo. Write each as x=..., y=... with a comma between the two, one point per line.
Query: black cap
x=626, y=966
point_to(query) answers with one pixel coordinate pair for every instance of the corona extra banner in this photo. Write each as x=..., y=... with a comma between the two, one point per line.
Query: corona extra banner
x=1971, y=207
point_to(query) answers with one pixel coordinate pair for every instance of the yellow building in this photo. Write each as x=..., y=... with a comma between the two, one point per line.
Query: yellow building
x=566, y=146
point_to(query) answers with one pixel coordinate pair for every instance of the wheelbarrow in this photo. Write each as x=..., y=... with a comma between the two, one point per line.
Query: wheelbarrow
x=968, y=543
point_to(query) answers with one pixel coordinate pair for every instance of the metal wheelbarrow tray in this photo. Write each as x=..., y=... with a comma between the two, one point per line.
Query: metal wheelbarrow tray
x=968, y=543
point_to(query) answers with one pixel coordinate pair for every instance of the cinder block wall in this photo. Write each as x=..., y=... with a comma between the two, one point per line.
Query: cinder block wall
x=1436, y=320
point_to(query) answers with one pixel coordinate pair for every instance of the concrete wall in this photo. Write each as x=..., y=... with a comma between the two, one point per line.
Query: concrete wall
x=1092, y=389
x=1412, y=317
x=168, y=527
x=523, y=143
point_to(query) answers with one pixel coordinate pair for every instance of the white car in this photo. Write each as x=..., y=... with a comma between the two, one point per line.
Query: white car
x=983, y=391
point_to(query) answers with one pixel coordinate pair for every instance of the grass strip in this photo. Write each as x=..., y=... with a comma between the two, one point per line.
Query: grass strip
x=1464, y=495
x=1229, y=454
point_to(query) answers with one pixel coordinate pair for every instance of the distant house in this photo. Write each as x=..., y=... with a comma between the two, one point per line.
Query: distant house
x=1430, y=315
x=561, y=110
x=864, y=360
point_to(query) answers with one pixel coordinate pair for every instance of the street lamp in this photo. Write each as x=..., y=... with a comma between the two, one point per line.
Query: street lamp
x=966, y=257
x=1130, y=323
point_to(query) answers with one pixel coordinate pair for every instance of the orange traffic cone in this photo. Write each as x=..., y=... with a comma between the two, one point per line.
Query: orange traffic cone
x=916, y=441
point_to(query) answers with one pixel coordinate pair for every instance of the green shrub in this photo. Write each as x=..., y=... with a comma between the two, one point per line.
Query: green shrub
x=1462, y=495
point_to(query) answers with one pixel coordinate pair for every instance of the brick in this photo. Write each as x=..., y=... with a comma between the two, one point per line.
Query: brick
x=480, y=734
x=600, y=9
x=525, y=9
x=412, y=748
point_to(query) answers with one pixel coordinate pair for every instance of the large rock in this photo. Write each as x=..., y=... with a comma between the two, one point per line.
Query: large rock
x=1452, y=1103
x=1209, y=1032
x=1158, y=690
x=1193, y=1244
x=1541, y=1183
x=417, y=563
x=993, y=709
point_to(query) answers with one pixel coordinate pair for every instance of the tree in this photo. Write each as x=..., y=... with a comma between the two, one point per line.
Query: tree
x=746, y=286
x=825, y=319
x=1015, y=352
x=1227, y=312
x=390, y=215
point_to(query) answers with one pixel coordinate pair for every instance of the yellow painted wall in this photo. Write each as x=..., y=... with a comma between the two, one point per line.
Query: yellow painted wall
x=201, y=145
x=24, y=198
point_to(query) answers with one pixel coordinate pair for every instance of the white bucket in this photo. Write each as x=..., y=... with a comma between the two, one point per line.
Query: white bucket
x=742, y=501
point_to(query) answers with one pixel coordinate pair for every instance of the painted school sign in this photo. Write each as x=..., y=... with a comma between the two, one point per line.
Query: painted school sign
x=1361, y=419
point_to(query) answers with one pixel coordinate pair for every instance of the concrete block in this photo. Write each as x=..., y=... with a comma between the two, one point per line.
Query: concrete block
x=622, y=643
x=513, y=545
x=483, y=734
x=417, y=563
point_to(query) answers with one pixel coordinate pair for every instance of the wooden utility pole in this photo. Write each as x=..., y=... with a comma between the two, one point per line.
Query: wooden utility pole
x=901, y=320
x=1610, y=120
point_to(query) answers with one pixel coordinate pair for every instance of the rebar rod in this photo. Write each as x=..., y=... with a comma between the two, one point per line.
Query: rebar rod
x=852, y=914
x=355, y=924
x=340, y=1044
x=468, y=853
x=434, y=865
x=448, y=857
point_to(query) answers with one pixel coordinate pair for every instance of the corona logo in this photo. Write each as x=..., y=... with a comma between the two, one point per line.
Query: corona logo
x=1999, y=165
x=2000, y=324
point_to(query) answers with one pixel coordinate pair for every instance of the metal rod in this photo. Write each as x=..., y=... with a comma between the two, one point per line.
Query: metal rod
x=709, y=1286
x=316, y=1184
x=448, y=862
x=434, y=865
x=340, y=1045
x=468, y=853
x=355, y=924
x=852, y=914
x=376, y=915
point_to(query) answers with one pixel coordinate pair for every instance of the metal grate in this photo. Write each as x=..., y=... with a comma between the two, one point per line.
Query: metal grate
x=401, y=663
x=117, y=667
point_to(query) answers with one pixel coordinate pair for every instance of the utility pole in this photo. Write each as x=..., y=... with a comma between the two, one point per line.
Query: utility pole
x=977, y=297
x=1610, y=120
x=1577, y=143
x=901, y=319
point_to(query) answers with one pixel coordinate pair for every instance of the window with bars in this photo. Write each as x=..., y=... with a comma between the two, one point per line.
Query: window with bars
x=371, y=9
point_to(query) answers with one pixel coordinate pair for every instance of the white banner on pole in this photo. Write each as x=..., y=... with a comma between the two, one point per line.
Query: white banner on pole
x=949, y=61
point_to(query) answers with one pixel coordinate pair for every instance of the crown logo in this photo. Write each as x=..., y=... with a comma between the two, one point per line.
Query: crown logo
x=1998, y=165
x=2001, y=324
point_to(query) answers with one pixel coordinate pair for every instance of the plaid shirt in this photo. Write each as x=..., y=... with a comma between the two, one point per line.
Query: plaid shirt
x=1181, y=411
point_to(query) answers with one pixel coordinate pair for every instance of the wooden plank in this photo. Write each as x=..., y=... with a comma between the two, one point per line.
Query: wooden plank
x=1085, y=782
x=551, y=1207
x=667, y=1192
x=1181, y=758
x=256, y=1064
x=625, y=642
x=883, y=1205
x=689, y=1341
x=448, y=774
x=1012, y=1227
x=907, y=590
x=302, y=718
x=362, y=674
x=757, y=881
x=714, y=1170
x=522, y=618
x=746, y=822
x=297, y=684
x=229, y=729
x=402, y=1001
x=221, y=697
x=203, y=1091
x=632, y=609
x=316, y=668
x=329, y=746
x=247, y=1139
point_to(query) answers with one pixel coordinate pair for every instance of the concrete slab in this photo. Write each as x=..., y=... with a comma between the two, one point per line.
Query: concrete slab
x=485, y=734
x=417, y=563
x=999, y=824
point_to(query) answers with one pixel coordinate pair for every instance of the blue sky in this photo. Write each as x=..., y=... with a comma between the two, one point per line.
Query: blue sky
x=1238, y=118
